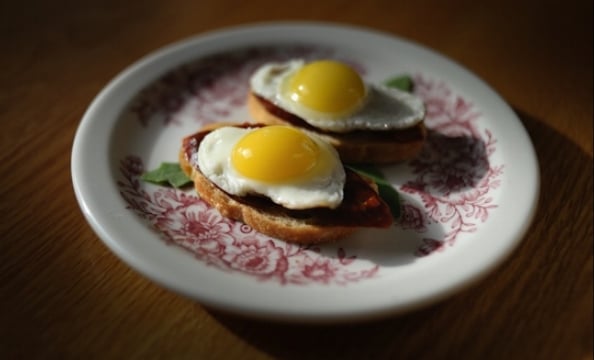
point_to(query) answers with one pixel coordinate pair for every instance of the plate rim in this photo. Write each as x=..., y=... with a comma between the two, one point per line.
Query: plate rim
x=146, y=63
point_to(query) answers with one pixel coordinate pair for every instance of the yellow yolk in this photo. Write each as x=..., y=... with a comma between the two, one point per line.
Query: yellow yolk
x=326, y=86
x=275, y=154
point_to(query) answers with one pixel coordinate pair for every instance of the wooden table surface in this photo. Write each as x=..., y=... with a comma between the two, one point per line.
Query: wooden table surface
x=64, y=295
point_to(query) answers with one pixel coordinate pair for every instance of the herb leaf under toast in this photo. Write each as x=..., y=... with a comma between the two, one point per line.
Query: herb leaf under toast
x=386, y=191
x=167, y=174
x=401, y=82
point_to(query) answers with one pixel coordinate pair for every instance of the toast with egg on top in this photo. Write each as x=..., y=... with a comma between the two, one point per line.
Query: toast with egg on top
x=309, y=198
x=366, y=123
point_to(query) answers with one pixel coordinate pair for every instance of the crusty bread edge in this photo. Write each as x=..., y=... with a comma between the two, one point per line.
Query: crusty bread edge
x=284, y=228
x=351, y=150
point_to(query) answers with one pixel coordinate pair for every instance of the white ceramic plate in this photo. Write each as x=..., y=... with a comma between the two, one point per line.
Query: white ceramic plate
x=467, y=200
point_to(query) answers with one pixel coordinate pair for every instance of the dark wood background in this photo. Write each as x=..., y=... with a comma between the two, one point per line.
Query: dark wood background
x=64, y=295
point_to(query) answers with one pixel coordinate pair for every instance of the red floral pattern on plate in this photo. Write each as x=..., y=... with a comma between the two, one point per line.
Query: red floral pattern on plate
x=453, y=177
x=217, y=84
x=183, y=219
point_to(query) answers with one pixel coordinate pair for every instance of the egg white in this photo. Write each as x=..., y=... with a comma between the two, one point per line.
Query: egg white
x=384, y=108
x=324, y=189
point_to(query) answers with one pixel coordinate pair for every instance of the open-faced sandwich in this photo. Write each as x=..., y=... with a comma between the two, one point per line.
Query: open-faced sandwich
x=364, y=122
x=282, y=181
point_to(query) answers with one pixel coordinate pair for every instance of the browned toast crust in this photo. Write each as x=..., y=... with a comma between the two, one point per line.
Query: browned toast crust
x=264, y=216
x=376, y=147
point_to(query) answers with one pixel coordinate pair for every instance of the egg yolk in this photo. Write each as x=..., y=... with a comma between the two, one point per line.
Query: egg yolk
x=275, y=154
x=326, y=86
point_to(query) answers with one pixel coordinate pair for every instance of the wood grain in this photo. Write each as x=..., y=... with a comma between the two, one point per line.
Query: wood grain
x=64, y=295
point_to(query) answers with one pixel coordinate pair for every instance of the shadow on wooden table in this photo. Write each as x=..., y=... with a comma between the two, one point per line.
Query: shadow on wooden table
x=538, y=304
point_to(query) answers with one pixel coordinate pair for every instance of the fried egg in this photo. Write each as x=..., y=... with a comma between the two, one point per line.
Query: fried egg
x=332, y=96
x=292, y=168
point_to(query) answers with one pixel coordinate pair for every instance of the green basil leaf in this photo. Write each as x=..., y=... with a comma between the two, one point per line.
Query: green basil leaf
x=167, y=174
x=402, y=82
x=391, y=197
x=386, y=191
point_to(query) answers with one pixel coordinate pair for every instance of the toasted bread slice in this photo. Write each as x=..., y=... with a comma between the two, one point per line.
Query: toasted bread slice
x=375, y=147
x=361, y=206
